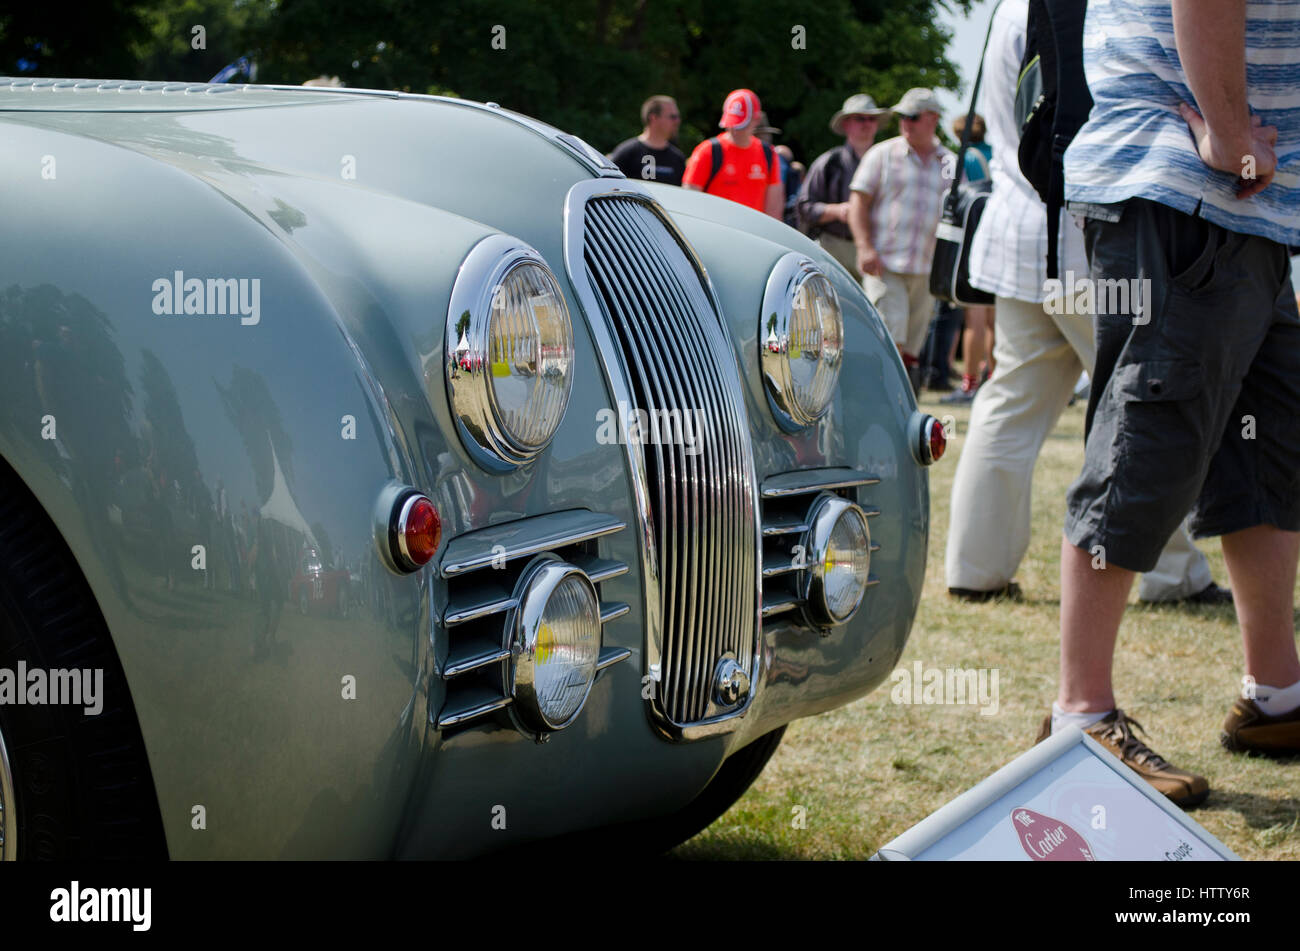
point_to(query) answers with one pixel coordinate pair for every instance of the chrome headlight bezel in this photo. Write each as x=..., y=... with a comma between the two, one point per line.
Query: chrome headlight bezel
x=467, y=366
x=791, y=277
x=538, y=583
x=823, y=518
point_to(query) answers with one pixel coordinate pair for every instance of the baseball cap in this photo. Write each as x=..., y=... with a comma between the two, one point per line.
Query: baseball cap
x=739, y=109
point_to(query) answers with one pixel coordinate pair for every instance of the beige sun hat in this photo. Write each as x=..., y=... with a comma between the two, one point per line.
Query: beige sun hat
x=916, y=100
x=857, y=105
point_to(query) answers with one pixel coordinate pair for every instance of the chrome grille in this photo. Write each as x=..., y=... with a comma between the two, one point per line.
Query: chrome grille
x=680, y=366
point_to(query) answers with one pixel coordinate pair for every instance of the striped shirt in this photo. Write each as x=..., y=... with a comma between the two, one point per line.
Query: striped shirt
x=1135, y=144
x=907, y=199
x=1009, y=252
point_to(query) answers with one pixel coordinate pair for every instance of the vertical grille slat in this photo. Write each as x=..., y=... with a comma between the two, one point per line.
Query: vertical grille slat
x=682, y=368
x=650, y=305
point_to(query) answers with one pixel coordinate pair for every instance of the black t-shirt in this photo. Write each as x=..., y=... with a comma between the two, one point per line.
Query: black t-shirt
x=667, y=164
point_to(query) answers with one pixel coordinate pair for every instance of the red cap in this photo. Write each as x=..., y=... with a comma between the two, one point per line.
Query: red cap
x=739, y=109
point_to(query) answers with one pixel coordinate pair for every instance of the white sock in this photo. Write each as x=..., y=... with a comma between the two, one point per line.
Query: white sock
x=1275, y=701
x=1061, y=719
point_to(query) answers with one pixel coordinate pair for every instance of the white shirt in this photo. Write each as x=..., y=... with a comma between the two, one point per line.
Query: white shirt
x=907, y=200
x=1009, y=253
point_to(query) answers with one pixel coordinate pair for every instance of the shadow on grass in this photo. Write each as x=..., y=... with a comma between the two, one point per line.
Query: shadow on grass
x=1259, y=812
x=734, y=846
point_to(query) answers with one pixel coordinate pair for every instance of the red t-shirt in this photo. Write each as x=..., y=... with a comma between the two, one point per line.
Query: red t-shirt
x=744, y=175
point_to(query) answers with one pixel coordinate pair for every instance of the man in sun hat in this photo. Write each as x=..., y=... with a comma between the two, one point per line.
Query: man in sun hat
x=823, y=203
x=893, y=213
x=736, y=164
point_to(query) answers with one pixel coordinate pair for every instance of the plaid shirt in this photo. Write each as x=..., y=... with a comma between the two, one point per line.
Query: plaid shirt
x=907, y=200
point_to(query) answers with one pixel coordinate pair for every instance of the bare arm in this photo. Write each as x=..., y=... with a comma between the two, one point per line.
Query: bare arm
x=860, y=225
x=1211, y=39
x=775, y=201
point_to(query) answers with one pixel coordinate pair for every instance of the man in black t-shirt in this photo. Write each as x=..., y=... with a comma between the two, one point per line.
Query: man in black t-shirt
x=651, y=156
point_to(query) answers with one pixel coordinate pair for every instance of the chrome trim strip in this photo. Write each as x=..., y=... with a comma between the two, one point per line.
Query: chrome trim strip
x=774, y=567
x=870, y=513
x=475, y=662
x=599, y=569
x=8, y=808
x=815, y=480
x=609, y=656
x=609, y=610
x=477, y=610
x=784, y=525
x=446, y=720
x=523, y=537
x=875, y=546
x=780, y=606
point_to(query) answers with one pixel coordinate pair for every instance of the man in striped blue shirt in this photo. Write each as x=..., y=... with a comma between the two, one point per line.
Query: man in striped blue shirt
x=1188, y=175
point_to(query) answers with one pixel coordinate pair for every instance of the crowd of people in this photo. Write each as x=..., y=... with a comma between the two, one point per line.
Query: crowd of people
x=1193, y=398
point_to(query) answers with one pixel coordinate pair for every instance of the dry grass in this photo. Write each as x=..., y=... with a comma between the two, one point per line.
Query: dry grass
x=867, y=772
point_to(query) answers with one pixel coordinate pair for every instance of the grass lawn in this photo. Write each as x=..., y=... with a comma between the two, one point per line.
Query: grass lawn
x=867, y=772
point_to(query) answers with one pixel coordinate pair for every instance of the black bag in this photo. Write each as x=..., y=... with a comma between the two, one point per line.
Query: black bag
x=950, y=269
x=1052, y=103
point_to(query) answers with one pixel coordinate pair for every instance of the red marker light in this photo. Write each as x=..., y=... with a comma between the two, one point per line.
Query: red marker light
x=938, y=440
x=418, y=532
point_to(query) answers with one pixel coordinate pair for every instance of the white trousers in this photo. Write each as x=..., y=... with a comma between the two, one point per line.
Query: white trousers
x=1039, y=358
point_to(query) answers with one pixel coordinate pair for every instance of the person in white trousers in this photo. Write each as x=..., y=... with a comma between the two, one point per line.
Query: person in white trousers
x=1039, y=356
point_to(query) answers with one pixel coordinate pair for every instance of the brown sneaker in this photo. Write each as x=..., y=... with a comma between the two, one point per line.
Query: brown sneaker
x=1250, y=728
x=1114, y=732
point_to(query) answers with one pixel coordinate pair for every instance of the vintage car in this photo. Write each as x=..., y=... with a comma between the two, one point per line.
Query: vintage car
x=624, y=478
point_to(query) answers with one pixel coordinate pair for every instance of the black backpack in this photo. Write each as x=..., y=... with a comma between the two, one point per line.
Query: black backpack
x=715, y=156
x=1052, y=102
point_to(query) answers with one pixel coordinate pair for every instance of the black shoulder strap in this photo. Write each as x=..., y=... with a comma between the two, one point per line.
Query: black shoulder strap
x=716, y=147
x=970, y=115
x=767, y=155
x=1064, y=66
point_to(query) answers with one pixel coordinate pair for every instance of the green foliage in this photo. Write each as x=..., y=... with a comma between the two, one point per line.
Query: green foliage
x=582, y=65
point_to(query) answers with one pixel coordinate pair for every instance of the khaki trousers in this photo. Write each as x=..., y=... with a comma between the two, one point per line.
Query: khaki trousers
x=1039, y=358
x=905, y=306
x=842, y=250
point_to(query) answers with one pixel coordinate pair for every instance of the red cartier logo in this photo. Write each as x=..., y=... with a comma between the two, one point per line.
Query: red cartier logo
x=1045, y=839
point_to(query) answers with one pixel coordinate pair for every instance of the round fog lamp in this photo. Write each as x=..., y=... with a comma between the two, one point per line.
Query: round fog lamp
x=556, y=644
x=839, y=548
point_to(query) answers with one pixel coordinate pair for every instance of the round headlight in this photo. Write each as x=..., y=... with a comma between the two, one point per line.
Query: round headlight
x=556, y=644
x=839, y=552
x=801, y=339
x=509, y=353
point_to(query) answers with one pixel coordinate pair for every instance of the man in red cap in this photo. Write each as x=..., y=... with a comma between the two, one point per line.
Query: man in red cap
x=736, y=164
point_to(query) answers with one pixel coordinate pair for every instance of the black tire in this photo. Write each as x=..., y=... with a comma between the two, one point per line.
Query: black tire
x=82, y=785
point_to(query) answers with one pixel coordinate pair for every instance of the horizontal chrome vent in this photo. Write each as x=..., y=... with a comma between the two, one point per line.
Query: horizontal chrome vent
x=787, y=500
x=482, y=569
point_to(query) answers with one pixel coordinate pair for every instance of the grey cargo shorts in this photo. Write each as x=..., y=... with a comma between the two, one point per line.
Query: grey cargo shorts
x=1195, y=401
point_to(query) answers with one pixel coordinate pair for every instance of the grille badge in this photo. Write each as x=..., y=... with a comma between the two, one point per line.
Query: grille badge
x=730, y=683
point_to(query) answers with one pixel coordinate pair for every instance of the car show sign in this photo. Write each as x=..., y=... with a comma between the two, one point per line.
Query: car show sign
x=1065, y=800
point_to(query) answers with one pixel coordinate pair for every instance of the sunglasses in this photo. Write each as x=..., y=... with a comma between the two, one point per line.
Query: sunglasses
x=913, y=118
